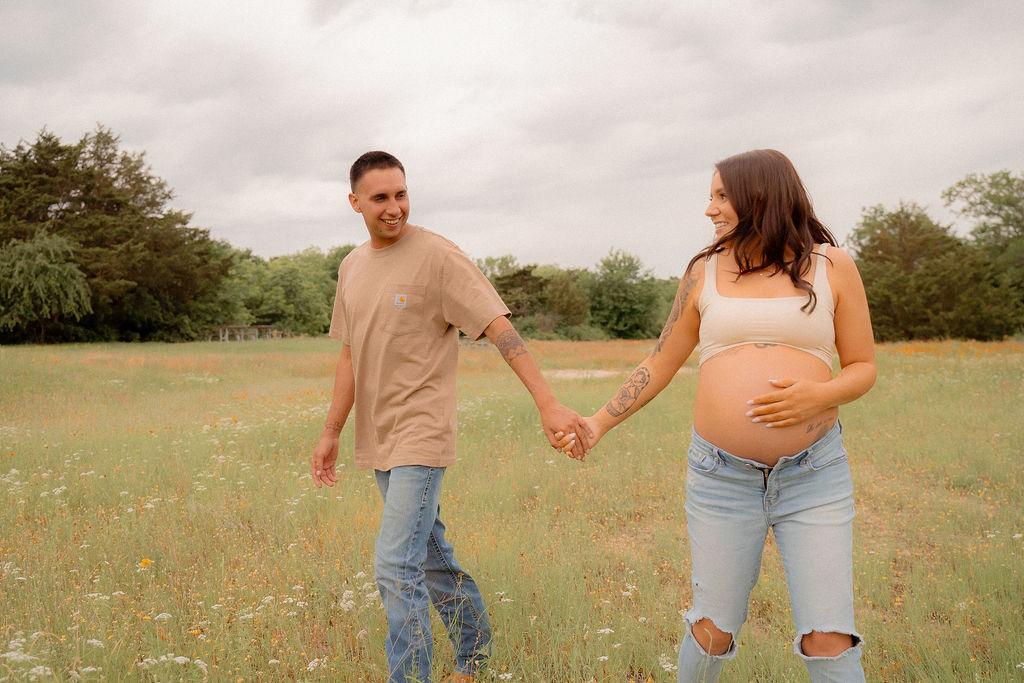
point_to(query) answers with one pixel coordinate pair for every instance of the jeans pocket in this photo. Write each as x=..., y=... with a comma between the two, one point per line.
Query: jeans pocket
x=702, y=461
x=826, y=458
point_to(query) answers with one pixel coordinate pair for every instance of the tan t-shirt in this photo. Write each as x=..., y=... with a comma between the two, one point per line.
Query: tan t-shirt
x=400, y=309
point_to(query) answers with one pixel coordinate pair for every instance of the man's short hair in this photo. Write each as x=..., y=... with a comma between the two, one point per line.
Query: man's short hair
x=369, y=162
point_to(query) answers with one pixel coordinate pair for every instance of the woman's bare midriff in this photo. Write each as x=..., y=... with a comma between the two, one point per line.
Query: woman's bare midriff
x=731, y=378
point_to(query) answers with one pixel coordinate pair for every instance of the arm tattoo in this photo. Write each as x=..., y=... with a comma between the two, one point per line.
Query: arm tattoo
x=629, y=392
x=677, y=307
x=511, y=345
x=334, y=426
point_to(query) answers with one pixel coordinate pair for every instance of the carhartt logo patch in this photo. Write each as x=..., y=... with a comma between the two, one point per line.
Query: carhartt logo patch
x=400, y=299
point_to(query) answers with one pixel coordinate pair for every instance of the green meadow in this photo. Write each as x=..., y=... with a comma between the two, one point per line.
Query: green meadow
x=159, y=522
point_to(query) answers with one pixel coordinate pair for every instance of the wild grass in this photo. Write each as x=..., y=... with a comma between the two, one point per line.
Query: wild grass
x=158, y=520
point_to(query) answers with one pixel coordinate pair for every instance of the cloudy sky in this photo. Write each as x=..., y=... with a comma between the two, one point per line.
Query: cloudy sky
x=553, y=130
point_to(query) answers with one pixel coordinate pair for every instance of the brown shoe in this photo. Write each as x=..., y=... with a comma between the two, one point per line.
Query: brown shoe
x=460, y=678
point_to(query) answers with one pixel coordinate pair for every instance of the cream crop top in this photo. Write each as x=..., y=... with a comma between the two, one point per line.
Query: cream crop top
x=727, y=322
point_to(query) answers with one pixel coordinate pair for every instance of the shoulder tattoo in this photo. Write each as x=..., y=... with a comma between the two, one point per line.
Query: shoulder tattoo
x=682, y=296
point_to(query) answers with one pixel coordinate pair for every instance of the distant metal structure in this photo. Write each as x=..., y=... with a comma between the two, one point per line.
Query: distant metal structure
x=246, y=332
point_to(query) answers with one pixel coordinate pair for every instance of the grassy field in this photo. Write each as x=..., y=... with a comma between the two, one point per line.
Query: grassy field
x=159, y=523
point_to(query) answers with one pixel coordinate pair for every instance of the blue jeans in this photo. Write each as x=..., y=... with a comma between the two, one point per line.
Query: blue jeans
x=807, y=501
x=414, y=567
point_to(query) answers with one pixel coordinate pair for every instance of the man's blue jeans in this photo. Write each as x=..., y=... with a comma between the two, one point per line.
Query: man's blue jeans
x=414, y=567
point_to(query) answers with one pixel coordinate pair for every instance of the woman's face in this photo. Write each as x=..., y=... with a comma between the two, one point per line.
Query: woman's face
x=719, y=210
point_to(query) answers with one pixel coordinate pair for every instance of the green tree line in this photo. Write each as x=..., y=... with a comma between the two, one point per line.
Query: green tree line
x=90, y=250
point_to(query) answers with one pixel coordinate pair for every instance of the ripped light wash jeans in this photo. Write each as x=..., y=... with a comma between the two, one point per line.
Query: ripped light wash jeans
x=807, y=501
x=416, y=566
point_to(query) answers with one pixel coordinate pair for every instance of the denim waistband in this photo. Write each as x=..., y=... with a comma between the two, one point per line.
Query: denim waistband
x=824, y=443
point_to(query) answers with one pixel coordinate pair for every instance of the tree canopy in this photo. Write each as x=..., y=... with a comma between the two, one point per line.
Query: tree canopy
x=149, y=274
x=923, y=282
x=40, y=285
x=995, y=205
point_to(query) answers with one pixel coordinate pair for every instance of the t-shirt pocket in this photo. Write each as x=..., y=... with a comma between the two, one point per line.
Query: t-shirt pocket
x=402, y=309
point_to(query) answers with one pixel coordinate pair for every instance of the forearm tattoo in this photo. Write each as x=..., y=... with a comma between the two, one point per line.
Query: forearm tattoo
x=334, y=426
x=677, y=307
x=629, y=392
x=511, y=345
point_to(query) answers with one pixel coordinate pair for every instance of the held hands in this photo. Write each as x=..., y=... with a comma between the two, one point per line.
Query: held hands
x=569, y=443
x=559, y=420
x=796, y=401
x=325, y=455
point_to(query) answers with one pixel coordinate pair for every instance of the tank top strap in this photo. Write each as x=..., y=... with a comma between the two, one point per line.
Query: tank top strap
x=711, y=275
x=820, y=270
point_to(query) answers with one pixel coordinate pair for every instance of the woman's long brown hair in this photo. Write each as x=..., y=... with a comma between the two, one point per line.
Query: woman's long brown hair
x=775, y=217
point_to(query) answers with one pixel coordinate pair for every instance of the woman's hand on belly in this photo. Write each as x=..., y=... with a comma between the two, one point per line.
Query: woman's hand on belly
x=795, y=402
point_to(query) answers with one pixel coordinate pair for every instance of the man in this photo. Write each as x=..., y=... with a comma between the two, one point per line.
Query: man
x=402, y=297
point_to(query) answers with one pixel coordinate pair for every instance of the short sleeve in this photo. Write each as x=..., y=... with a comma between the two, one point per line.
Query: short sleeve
x=339, y=324
x=468, y=299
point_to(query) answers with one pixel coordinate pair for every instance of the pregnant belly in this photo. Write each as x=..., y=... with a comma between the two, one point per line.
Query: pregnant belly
x=733, y=377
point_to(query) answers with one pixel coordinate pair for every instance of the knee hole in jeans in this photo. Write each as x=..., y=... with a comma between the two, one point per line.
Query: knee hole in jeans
x=712, y=639
x=826, y=643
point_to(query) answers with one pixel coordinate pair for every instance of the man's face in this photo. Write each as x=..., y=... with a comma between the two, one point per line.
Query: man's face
x=381, y=196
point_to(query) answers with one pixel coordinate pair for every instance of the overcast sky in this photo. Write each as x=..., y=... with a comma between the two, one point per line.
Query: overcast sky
x=553, y=130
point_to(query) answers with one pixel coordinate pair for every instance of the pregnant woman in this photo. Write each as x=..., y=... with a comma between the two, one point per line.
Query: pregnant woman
x=770, y=302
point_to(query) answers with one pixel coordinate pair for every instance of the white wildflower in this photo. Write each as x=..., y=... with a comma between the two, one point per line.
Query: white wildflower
x=95, y=643
x=163, y=616
x=314, y=665
x=605, y=631
x=39, y=672
x=18, y=656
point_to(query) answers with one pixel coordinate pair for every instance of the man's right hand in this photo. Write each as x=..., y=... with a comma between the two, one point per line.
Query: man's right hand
x=325, y=455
